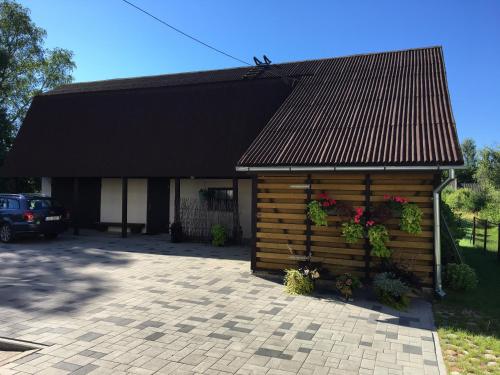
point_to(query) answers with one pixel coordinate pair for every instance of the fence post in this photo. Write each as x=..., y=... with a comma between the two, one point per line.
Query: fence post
x=498, y=242
x=485, y=234
x=474, y=231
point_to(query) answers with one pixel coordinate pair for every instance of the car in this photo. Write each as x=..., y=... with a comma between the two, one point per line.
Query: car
x=31, y=214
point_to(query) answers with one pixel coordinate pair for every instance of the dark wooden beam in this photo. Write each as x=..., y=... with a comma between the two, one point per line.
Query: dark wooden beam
x=367, y=210
x=236, y=213
x=177, y=201
x=308, y=220
x=253, y=263
x=124, y=206
x=76, y=203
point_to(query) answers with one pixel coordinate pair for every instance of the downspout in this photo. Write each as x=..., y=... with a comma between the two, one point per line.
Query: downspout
x=436, y=194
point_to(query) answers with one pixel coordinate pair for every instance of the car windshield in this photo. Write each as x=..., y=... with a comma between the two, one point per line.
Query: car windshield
x=41, y=203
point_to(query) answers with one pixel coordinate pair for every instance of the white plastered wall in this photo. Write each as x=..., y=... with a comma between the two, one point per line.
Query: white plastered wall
x=47, y=186
x=111, y=200
x=190, y=189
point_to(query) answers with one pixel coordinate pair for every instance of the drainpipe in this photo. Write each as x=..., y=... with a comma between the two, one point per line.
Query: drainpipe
x=436, y=193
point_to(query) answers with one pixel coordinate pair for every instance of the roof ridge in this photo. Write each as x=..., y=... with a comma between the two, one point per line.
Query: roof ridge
x=187, y=74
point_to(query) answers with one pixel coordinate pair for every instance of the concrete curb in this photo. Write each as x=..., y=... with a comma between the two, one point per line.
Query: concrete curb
x=439, y=354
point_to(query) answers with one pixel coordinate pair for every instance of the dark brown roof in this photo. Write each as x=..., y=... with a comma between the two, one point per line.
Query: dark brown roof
x=187, y=130
x=390, y=109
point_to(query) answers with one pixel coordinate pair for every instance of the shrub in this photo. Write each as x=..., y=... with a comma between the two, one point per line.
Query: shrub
x=378, y=236
x=352, y=232
x=298, y=283
x=219, y=235
x=465, y=199
x=391, y=291
x=401, y=272
x=411, y=218
x=460, y=277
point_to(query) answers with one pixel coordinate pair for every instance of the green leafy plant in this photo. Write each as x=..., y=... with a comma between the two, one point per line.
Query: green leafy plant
x=296, y=282
x=391, y=291
x=219, y=235
x=460, y=277
x=317, y=214
x=352, y=232
x=346, y=284
x=378, y=237
x=411, y=218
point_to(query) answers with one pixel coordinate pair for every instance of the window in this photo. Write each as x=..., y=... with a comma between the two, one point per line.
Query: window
x=9, y=204
x=219, y=199
x=41, y=203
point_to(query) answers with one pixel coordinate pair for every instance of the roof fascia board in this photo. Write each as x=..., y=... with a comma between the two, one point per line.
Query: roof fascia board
x=332, y=169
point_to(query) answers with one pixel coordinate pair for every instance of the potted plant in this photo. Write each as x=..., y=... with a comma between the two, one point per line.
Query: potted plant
x=318, y=210
x=176, y=232
x=219, y=235
x=346, y=284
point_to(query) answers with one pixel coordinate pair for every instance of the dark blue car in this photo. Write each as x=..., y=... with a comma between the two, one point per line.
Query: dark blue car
x=30, y=214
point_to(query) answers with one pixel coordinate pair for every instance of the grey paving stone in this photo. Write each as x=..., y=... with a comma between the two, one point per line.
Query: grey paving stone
x=92, y=354
x=87, y=369
x=412, y=349
x=66, y=366
x=219, y=336
x=89, y=336
x=304, y=336
x=154, y=336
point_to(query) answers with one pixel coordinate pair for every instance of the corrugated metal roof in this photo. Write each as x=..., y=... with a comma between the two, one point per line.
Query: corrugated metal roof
x=390, y=108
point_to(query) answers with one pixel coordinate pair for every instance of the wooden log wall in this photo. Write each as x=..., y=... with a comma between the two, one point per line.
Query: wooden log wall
x=282, y=227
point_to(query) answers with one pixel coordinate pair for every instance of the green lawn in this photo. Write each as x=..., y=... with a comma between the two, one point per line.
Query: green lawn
x=469, y=322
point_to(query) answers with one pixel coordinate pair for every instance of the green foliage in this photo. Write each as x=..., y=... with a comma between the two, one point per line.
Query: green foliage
x=391, y=291
x=457, y=228
x=297, y=283
x=411, y=218
x=488, y=170
x=378, y=237
x=491, y=210
x=470, y=160
x=460, y=277
x=219, y=235
x=352, y=232
x=317, y=213
x=465, y=200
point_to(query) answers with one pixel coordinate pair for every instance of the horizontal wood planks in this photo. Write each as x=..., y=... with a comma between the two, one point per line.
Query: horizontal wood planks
x=281, y=237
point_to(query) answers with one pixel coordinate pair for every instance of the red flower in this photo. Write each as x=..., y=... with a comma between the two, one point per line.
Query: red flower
x=326, y=204
x=387, y=196
x=333, y=201
x=369, y=223
x=356, y=220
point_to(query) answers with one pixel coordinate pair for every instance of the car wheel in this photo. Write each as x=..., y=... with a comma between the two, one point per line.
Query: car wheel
x=50, y=236
x=6, y=234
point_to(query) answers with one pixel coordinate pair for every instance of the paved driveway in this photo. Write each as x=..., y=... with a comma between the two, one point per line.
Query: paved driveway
x=105, y=305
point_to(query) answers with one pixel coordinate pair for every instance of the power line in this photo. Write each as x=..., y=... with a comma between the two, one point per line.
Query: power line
x=186, y=34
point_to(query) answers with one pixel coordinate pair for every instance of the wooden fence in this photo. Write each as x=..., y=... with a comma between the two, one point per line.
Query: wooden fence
x=283, y=233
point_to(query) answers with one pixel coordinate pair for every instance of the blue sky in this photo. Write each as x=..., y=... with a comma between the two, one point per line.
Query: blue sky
x=110, y=39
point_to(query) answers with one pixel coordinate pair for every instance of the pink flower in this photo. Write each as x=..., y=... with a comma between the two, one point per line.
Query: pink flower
x=369, y=223
x=356, y=220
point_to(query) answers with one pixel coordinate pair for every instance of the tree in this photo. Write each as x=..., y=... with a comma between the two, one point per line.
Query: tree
x=470, y=160
x=488, y=170
x=27, y=68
